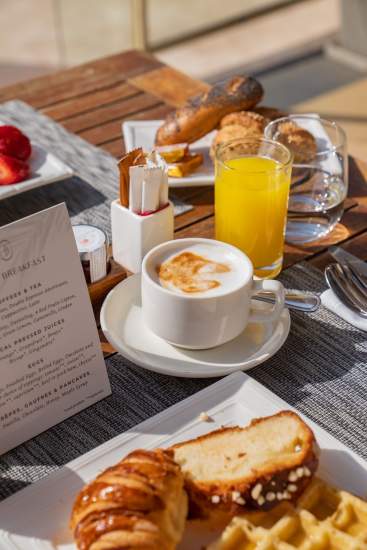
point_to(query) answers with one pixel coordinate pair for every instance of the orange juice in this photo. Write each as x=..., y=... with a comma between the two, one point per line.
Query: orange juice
x=251, y=198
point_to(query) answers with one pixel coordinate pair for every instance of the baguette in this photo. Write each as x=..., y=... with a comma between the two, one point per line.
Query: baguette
x=235, y=470
x=138, y=503
x=202, y=113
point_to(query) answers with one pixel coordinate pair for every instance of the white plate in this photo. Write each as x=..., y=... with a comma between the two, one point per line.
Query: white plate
x=44, y=168
x=36, y=518
x=141, y=133
x=122, y=324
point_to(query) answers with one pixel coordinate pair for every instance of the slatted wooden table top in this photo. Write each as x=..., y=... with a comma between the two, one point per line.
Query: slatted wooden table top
x=92, y=100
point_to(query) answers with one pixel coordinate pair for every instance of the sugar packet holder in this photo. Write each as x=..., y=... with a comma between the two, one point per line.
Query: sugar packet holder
x=142, y=217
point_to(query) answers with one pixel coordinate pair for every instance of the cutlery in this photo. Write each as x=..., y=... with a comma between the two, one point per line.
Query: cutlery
x=354, y=288
x=354, y=269
x=342, y=256
x=296, y=301
x=338, y=280
x=357, y=281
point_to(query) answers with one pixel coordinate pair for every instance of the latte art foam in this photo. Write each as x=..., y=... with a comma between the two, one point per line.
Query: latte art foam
x=199, y=270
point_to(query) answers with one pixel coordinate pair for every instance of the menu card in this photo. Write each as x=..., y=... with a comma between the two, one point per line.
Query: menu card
x=51, y=363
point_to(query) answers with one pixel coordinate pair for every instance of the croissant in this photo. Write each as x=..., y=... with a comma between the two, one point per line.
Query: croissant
x=138, y=503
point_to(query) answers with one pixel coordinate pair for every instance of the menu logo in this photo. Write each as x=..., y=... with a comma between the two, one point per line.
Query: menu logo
x=6, y=251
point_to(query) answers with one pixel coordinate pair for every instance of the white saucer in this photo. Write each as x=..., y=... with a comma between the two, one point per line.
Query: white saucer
x=122, y=324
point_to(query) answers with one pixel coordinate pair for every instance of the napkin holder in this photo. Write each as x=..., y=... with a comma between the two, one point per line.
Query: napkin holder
x=133, y=235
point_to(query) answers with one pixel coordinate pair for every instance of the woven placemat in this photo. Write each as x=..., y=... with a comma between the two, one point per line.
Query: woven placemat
x=88, y=194
x=321, y=370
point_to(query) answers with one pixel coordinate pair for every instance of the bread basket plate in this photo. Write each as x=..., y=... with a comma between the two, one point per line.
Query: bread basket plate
x=36, y=518
x=123, y=326
x=141, y=133
x=45, y=168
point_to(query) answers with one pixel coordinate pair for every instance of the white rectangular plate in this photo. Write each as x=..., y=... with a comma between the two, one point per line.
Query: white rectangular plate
x=44, y=168
x=37, y=517
x=141, y=133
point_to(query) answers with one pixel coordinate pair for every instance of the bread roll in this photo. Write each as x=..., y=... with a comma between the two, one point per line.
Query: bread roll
x=247, y=119
x=239, y=125
x=298, y=140
x=202, y=113
x=138, y=503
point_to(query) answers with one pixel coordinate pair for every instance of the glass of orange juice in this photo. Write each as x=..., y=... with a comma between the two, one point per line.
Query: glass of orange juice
x=252, y=181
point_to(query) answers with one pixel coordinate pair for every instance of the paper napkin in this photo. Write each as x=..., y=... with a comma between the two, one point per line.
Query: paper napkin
x=332, y=303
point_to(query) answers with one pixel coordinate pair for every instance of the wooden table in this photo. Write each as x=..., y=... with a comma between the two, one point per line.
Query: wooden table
x=91, y=100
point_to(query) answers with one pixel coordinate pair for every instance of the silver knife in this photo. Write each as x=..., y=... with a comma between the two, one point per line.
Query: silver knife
x=341, y=256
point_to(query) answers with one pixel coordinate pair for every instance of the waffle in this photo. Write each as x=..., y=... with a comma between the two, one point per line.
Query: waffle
x=323, y=519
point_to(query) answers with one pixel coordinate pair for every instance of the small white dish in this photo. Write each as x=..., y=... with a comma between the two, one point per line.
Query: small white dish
x=141, y=133
x=44, y=168
x=37, y=517
x=122, y=324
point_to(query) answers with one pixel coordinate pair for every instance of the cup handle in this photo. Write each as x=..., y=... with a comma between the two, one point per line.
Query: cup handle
x=268, y=315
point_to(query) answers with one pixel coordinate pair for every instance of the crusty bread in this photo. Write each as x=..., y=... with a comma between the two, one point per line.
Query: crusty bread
x=138, y=503
x=232, y=470
x=202, y=113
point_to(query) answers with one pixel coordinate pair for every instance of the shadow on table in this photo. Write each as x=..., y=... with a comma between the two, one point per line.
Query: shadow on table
x=78, y=195
x=10, y=486
x=315, y=362
x=42, y=511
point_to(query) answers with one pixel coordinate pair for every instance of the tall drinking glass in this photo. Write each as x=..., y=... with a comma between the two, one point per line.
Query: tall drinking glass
x=319, y=176
x=252, y=180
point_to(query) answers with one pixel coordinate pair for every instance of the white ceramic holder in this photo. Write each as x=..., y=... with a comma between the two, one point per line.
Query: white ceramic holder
x=134, y=235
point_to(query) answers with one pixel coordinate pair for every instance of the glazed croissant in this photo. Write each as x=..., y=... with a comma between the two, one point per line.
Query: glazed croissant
x=138, y=503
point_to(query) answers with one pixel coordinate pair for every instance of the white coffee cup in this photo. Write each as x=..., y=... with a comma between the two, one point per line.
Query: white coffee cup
x=210, y=318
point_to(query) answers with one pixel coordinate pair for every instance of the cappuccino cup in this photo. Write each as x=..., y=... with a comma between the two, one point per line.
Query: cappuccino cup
x=196, y=293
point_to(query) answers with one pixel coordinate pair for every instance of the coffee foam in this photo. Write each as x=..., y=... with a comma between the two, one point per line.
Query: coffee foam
x=201, y=269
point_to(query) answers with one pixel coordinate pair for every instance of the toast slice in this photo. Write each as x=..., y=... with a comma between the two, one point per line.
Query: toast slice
x=173, y=153
x=234, y=469
x=185, y=166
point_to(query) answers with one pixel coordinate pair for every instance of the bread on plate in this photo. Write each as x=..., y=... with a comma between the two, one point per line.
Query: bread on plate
x=201, y=114
x=233, y=469
x=138, y=503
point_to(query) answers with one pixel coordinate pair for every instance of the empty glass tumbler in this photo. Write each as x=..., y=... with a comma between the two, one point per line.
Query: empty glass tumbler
x=319, y=183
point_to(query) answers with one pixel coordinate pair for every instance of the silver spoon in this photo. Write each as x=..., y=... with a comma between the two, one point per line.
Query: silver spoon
x=339, y=283
x=296, y=301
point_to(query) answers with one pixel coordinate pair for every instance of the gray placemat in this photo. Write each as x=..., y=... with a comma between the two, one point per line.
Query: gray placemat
x=88, y=194
x=321, y=370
